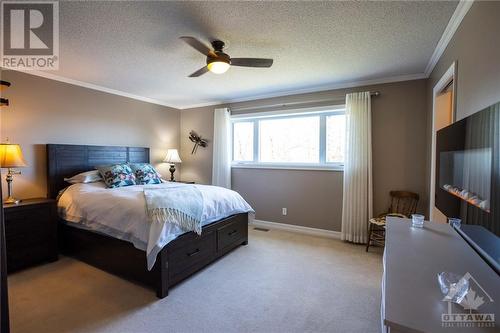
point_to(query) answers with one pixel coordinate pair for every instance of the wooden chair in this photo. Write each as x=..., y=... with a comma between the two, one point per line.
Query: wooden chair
x=403, y=204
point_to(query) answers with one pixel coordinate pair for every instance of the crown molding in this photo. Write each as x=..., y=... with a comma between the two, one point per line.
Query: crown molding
x=343, y=85
x=92, y=86
x=455, y=20
x=333, y=86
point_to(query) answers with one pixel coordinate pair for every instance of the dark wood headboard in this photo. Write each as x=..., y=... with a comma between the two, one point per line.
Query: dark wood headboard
x=64, y=161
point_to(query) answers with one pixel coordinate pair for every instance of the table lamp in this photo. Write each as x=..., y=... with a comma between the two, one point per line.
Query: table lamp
x=172, y=157
x=11, y=156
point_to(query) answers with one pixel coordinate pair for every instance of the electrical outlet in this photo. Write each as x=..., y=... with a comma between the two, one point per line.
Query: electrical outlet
x=284, y=211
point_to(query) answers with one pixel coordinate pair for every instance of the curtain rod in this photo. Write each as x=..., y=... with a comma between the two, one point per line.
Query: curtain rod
x=372, y=93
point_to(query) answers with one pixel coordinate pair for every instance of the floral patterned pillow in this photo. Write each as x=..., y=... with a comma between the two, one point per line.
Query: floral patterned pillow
x=145, y=173
x=117, y=175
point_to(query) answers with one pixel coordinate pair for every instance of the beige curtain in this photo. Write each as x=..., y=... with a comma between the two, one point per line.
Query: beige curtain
x=221, y=170
x=357, y=206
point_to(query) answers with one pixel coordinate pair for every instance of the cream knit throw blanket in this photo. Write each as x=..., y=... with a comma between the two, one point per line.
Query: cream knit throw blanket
x=181, y=205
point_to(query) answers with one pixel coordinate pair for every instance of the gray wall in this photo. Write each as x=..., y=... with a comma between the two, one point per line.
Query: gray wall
x=44, y=111
x=314, y=198
x=476, y=48
x=197, y=167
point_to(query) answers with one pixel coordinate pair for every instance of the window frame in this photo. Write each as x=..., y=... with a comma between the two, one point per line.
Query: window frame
x=255, y=118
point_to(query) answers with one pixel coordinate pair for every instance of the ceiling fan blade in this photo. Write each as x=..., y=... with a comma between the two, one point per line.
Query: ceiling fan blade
x=199, y=72
x=196, y=44
x=251, y=62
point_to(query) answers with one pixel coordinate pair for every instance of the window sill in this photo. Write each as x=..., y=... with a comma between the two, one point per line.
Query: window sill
x=288, y=167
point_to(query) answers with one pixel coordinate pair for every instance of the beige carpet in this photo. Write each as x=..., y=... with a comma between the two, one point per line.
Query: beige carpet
x=280, y=282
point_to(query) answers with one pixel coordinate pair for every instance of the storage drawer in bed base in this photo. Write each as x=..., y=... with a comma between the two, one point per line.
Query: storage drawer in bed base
x=181, y=258
x=197, y=252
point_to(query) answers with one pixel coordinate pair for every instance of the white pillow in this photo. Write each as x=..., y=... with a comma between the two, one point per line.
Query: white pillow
x=85, y=177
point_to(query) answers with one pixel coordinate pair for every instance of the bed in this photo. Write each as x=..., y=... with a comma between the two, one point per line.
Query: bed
x=177, y=260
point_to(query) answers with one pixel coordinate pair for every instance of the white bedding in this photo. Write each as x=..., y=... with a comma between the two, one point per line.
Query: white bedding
x=121, y=212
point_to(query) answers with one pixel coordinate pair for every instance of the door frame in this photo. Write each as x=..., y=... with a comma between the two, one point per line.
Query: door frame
x=449, y=75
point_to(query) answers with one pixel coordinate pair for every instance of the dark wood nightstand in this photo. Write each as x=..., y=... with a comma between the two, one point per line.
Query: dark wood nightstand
x=30, y=233
x=181, y=181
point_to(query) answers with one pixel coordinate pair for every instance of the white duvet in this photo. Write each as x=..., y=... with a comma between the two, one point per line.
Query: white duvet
x=121, y=212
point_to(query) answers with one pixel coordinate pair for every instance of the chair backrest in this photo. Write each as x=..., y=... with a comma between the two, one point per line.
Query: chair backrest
x=403, y=202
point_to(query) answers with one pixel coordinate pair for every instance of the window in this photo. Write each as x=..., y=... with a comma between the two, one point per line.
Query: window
x=335, y=138
x=289, y=140
x=243, y=141
x=301, y=140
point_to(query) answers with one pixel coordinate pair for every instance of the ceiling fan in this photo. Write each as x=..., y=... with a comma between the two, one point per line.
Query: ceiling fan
x=219, y=62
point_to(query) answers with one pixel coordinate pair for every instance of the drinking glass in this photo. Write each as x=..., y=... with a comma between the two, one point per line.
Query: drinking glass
x=455, y=222
x=417, y=220
x=453, y=286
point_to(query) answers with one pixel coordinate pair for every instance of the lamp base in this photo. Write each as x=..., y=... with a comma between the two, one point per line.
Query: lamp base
x=172, y=170
x=11, y=201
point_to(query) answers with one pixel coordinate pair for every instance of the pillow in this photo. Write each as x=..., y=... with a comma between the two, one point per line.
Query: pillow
x=117, y=175
x=145, y=173
x=85, y=177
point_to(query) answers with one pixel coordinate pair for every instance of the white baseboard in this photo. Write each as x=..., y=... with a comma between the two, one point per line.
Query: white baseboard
x=297, y=228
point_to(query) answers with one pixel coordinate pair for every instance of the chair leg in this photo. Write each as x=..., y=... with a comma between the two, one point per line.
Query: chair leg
x=369, y=237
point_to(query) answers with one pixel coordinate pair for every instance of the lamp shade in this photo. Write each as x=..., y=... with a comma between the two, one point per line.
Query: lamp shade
x=172, y=156
x=11, y=156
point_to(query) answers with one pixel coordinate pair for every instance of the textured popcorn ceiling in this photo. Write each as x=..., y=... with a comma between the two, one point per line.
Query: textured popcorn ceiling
x=133, y=47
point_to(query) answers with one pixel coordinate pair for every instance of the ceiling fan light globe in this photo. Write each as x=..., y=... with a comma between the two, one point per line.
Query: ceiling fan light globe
x=218, y=67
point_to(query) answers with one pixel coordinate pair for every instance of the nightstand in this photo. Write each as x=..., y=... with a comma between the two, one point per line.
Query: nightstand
x=181, y=181
x=30, y=233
